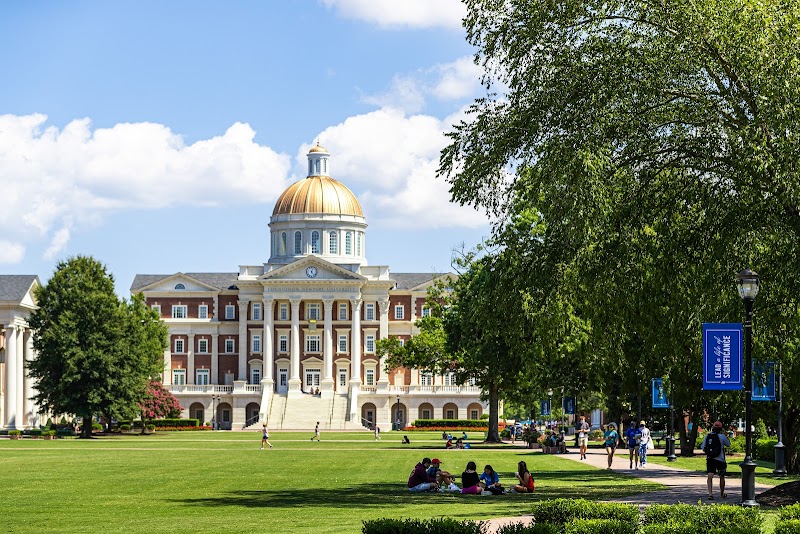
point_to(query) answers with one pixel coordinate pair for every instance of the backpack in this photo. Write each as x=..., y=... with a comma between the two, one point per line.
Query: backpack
x=713, y=446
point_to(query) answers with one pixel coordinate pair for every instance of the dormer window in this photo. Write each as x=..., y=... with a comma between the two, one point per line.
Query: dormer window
x=180, y=286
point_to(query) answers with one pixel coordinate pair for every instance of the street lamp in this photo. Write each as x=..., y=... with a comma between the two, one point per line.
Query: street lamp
x=780, y=449
x=562, y=411
x=747, y=283
x=397, y=413
x=550, y=405
x=213, y=412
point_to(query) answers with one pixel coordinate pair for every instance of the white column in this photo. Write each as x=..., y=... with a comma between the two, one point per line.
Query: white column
x=11, y=378
x=355, y=360
x=190, y=360
x=326, y=386
x=214, y=378
x=268, y=349
x=413, y=310
x=243, y=309
x=294, y=367
x=168, y=364
x=383, y=333
x=20, y=377
x=30, y=409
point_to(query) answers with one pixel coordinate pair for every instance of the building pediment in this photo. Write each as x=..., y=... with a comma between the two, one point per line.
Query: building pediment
x=179, y=282
x=311, y=269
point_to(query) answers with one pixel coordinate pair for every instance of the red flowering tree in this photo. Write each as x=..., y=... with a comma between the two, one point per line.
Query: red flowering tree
x=158, y=403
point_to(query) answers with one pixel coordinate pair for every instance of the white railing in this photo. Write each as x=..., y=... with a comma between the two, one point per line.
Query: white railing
x=369, y=389
x=435, y=390
x=253, y=388
x=193, y=388
x=398, y=389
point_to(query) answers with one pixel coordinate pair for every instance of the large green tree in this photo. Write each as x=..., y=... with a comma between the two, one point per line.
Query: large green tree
x=95, y=354
x=658, y=142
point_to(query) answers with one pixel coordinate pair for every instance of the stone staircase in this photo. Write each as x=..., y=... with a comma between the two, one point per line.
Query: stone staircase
x=277, y=407
x=302, y=413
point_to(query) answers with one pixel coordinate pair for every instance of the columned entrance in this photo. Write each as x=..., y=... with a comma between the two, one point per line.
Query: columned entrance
x=312, y=378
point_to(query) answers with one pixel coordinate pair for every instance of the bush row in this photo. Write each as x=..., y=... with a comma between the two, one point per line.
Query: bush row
x=790, y=526
x=159, y=423
x=427, y=424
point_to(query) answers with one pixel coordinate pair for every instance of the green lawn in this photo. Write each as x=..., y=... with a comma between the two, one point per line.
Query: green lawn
x=698, y=463
x=221, y=481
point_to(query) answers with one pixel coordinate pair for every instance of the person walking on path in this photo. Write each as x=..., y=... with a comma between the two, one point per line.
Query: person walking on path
x=611, y=438
x=644, y=442
x=714, y=446
x=265, y=436
x=316, y=432
x=377, y=433
x=583, y=436
x=632, y=436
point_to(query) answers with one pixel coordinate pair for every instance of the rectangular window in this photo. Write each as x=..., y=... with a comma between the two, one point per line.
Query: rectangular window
x=426, y=414
x=348, y=243
x=450, y=414
x=312, y=312
x=283, y=314
x=256, y=312
x=202, y=376
x=449, y=379
x=426, y=378
x=472, y=382
x=473, y=414
x=202, y=312
x=342, y=311
x=256, y=343
x=179, y=346
x=202, y=346
x=369, y=343
x=283, y=343
x=399, y=312
x=229, y=346
x=342, y=378
x=369, y=312
x=401, y=341
x=179, y=312
x=156, y=308
x=312, y=343
x=343, y=343
x=426, y=311
x=283, y=376
x=298, y=243
x=369, y=377
x=230, y=312
x=179, y=377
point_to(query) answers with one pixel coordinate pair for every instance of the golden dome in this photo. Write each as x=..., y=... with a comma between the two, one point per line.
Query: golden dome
x=317, y=148
x=317, y=194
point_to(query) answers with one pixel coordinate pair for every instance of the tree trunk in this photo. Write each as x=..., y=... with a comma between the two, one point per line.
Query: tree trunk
x=493, y=435
x=86, y=426
x=144, y=424
x=791, y=428
x=687, y=439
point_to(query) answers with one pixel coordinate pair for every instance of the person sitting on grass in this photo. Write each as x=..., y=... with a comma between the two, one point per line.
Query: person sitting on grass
x=405, y=441
x=526, y=482
x=443, y=478
x=490, y=481
x=419, y=479
x=449, y=444
x=464, y=435
x=470, y=480
x=459, y=443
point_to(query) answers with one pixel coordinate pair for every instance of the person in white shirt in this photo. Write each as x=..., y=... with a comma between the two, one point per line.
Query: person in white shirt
x=644, y=442
x=583, y=436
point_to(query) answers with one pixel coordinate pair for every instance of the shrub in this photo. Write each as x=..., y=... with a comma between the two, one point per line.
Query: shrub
x=455, y=424
x=791, y=526
x=538, y=528
x=416, y=526
x=50, y=433
x=764, y=449
x=705, y=518
x=600, y=526
x=596, y=435
x=35, y=432
x=561, y=511
x=125, y=428
x=151, y=428
x=690, y=528
x=790, y=512
x=158, y=423
x=14, y=432
x=61, y=432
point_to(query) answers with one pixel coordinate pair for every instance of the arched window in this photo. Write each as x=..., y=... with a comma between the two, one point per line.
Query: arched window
x=283, y=243
x=315, y=242
x=334, y=244
x=180, y=286
x=324, y=166
x=298, y=243
x=316, y=167
x=358, y=244
x=348, y=243
x=310, y=168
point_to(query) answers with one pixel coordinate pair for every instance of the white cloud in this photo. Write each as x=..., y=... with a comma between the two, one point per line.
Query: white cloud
x=57, y=180
x=459, y=79
x=11, y=252
x=391, y=159
x=405, y=93
x=405, y=13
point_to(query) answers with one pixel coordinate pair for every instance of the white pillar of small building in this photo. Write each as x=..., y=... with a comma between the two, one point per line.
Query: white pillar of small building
x=268, y=348
x=20, y=377
x=326, y=385
x=355, y=360
x=294, y=356
x=11, y=378
x=30, y=408
x=243, y=309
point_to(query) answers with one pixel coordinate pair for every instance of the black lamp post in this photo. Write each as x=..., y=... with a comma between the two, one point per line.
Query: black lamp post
x=213, y=412
x=397, y=414
x=747, y=283
x=670, y=440
x=563, y=415
x=780, y=450
x=550, y=405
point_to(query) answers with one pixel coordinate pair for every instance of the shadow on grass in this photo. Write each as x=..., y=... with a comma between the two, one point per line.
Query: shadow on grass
x=594, y=485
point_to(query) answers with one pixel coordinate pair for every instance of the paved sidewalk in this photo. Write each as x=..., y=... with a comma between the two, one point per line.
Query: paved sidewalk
x=682, y=485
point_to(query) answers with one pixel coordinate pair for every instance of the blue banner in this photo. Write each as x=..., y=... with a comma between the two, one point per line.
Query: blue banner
x=546, y=407
x=763, y=381
x=569, y=405
x=722, y=356
x=659, y=395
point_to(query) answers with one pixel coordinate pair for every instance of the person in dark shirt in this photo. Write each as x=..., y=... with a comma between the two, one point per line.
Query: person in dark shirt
x=419, y=479
x=470, y=479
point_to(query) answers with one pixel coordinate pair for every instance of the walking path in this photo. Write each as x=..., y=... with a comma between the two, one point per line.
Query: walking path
x=682, y=485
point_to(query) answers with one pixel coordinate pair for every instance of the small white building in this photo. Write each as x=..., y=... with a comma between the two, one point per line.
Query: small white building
x=256, y=345
x=17, y=410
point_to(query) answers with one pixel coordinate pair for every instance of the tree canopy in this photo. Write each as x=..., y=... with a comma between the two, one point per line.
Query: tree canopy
x=654, y=148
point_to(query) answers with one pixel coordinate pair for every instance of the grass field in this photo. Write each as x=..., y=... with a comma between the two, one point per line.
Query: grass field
x=222, y=482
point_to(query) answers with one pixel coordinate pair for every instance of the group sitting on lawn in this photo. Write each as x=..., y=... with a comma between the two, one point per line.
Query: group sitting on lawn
x=428, y=476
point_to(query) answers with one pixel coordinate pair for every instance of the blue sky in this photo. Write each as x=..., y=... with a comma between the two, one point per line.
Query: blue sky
x=156, y=136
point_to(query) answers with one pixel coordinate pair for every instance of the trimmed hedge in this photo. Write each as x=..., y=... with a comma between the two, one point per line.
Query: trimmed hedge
x=540, y=528
x=600, y=526
x=790, y=512
x=691, y=528
x=791, y=526
x=562, y=511
x=705, y=518
x=416, y=526
x=158, y=423
x=453, y=423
